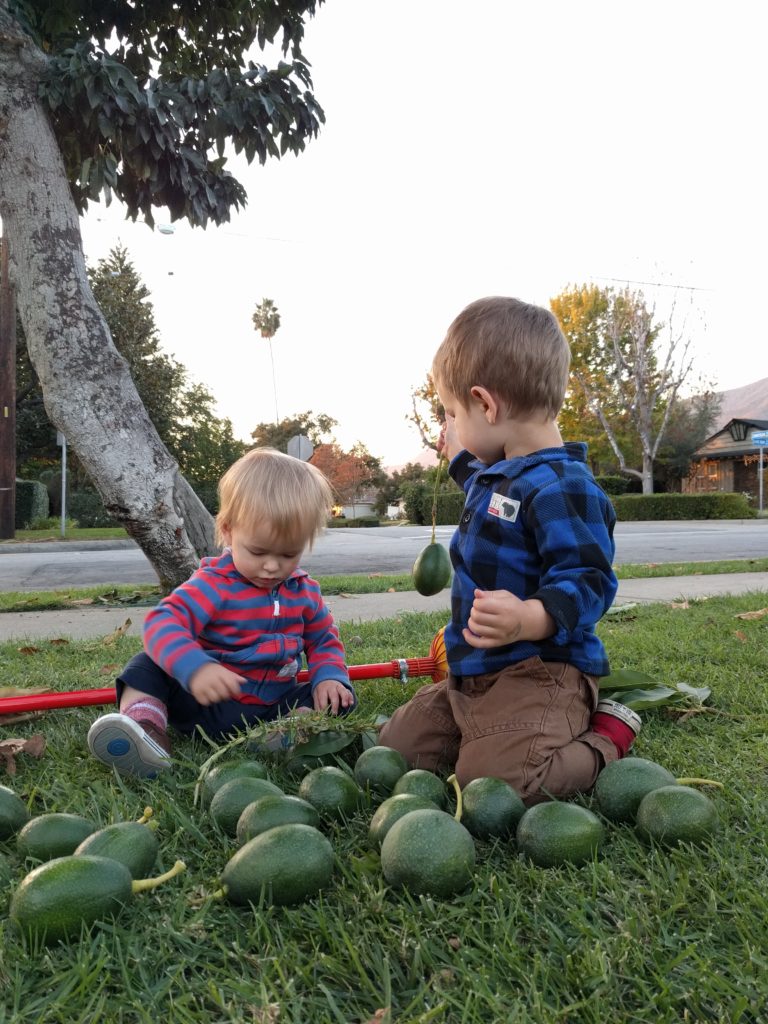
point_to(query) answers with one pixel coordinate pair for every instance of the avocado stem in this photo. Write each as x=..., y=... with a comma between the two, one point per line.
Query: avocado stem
x=459, y=802
x=699, y=782
x=148, y=812
x=142, y=884
x=220, y=893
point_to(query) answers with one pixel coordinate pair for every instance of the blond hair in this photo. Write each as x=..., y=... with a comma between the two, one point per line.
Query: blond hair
x=267, y=488
x=513, y=349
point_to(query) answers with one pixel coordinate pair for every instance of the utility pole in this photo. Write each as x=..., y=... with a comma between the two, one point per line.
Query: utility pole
x=7, y=398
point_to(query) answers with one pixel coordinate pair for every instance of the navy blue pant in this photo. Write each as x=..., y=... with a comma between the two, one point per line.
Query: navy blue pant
x=216, y=720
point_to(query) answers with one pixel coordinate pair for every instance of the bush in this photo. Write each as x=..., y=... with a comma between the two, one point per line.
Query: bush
x=614, y=484
x=418, y=499
x=209, y=495
x=339, y=522
x=31, y=503
x=718, y=505
x=87, y=508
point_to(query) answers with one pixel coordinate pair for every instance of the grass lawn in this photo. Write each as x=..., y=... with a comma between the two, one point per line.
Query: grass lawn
x=639, y=935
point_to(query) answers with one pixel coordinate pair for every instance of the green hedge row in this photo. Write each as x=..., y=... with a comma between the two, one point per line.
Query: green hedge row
x=339, y=522
x=418, y=500
x=32, y=503
x=634, y=507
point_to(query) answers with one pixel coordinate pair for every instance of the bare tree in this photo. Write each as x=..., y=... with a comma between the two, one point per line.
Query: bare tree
x=644, y=380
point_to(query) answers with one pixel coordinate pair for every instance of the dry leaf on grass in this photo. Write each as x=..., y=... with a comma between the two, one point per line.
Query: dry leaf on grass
x=749, y=616
x=381, y=1016
x=679, y=605
x=10, y=749
x=740, y=636
x=120, y=631
x=29, y=650
x=59, y=641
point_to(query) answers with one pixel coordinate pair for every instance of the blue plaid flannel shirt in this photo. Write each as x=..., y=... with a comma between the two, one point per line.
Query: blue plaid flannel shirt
x=540, y=527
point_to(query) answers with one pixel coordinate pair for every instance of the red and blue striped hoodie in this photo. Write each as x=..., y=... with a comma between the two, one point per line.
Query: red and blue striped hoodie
x=219, y=615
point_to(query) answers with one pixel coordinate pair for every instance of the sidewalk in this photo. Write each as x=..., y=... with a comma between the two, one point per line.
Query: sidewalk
x=94, y=621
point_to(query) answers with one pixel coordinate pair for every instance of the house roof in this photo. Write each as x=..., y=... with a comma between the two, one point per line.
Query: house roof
x=747, y=448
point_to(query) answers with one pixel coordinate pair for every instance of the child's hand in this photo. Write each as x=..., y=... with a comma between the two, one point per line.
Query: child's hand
x=212, y=683
x=448, y=443
x=498, y=618
x=332, y=695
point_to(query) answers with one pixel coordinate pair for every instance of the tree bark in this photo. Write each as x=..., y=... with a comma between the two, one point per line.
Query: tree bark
x=87, y=388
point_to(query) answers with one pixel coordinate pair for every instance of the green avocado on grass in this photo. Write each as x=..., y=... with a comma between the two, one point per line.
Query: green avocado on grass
x=57, y=834
x=284, y=865
x=132, y=843
x=13, y=813
x=55, y=900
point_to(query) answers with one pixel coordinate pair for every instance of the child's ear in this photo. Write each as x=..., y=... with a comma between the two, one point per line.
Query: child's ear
x=225, y=531
x=487, y=402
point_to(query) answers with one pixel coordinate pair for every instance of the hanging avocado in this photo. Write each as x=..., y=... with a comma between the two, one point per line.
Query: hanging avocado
x=432, y=570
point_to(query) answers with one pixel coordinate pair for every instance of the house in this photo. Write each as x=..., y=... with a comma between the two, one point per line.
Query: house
x=362, y=505
x=728, y=460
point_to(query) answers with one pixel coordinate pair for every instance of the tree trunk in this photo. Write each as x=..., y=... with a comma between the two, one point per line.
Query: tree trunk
x=87, y=388
x=647, y=474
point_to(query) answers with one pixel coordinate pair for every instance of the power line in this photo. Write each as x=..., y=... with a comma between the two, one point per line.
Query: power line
x=655, y=284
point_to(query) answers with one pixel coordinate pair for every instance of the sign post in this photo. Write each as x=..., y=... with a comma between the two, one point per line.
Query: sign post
x=760, y=439
x=61, y=441
x=300, y=447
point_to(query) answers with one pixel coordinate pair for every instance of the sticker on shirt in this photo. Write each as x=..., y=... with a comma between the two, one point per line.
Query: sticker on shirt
x=289, y=670
x=503, y=507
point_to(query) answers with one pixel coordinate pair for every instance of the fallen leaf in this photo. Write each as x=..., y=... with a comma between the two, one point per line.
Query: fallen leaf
x=268, y=1014
x=11, y=748
x=29, y=650
x=454, y=942
x=740, y=636
x=81, y=601
x=391, y=590
x=380, y=1017
x=59, y=641
x=120, y=631
x=679, y=604
x=108, y=670
x=750, y=616
x=24, y=716
x=375, y=575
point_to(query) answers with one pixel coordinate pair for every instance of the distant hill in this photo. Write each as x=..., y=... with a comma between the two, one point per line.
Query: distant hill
x=747, y=402
x=426, y=457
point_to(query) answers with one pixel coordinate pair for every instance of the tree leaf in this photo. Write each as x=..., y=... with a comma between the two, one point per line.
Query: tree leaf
x=327, y=742
x=626, y=679
x=640, y=699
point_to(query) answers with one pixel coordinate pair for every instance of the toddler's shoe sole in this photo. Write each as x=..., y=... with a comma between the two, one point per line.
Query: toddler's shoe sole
x=119, y=742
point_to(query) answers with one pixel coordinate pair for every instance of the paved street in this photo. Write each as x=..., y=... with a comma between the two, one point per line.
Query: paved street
x=386, y=550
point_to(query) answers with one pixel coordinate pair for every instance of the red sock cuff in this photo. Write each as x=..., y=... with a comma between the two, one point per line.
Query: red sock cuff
x=615, y=730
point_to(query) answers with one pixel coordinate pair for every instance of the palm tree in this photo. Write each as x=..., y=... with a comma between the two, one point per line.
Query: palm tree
x=266, y=320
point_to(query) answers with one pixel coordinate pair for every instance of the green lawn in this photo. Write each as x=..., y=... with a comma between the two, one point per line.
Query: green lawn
x=639, y=935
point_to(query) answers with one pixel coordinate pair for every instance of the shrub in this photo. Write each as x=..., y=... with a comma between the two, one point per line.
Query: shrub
x=87, y=508
x=718, y=505
x=340, y=522
x=418, y=499
x=612, y=484
x=31, y=503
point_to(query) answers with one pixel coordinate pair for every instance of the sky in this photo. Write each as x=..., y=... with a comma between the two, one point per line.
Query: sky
x=471, y=149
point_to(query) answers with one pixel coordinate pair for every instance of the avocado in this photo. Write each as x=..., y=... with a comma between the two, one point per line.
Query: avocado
x=284, y=865
x=420, y=782
x=55, y=900
x=13, y=813
x=557, y=832
x=331, y=791
x=129, y=842
x=391, y=810
x=221, y=773
x=53, y=835
x=378, y=768
x=491, y=808
x=272, y=810
x=432, y=570
x=233, y=797
x=428, y=851
x=622, y=784
x=676, y=814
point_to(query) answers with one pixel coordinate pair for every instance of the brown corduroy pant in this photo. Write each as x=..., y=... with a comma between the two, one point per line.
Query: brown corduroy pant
x=528, y=725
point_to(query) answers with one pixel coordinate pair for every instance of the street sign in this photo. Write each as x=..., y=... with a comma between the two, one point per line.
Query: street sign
x=760, y=438
x=300, y=447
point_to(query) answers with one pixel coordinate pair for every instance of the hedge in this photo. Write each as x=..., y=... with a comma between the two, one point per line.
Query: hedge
x=32, y=503
x=87, y=508
x=719, y=505
x=418, y=499
x=339, y=522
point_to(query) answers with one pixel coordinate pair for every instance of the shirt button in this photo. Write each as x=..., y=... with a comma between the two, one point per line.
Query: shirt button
x=466, y=517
